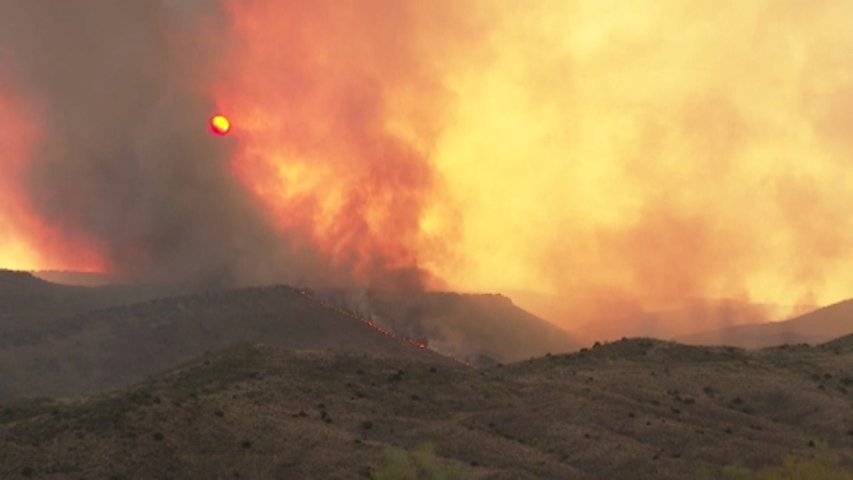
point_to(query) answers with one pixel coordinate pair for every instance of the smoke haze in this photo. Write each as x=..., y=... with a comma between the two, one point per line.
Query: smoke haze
x=122, y=165
x=596, y=160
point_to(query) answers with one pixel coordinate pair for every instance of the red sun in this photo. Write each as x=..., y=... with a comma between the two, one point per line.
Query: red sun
x=220, y=125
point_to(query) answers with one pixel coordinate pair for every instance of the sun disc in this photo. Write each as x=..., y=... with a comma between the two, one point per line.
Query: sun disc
x=220, y=125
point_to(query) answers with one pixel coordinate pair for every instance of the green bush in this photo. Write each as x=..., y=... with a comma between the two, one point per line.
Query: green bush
x=422, y=464
x=824, y=465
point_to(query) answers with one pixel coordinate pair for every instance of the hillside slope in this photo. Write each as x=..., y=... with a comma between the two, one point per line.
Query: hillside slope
x=58, y=340
x=480, y=329
x=30, y=305
x=815, y=327
x=633, y=409
x=119, y=345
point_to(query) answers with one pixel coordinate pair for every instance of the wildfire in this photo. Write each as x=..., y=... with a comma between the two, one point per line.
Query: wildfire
x=417, y=343
x=630, y=154
x=655, y=152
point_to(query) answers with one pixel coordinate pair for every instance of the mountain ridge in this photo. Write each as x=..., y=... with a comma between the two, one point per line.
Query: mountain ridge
x=818, y=326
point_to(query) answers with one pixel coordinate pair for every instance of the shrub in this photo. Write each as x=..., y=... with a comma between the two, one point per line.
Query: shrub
x=824, y=465
x=422, y=464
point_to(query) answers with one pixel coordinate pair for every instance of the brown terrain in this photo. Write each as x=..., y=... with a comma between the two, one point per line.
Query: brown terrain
x=478, y=329
x=275, y=383
x=67, y=340
x=633, y=409
x=29, y=305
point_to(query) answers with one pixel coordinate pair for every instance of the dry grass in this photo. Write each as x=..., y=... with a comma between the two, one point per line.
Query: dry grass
x=633, y=409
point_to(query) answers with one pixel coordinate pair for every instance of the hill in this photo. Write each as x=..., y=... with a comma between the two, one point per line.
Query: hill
x=68, y=340
x=632, y=409
x=480, y=329
x=66, y=277
x=115, y=346
x=30, y=305
x=608, y=316
x=844, y=343
x=819, y=326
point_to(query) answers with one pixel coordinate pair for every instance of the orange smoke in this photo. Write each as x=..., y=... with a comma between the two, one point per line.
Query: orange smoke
x=657, y=152
x=338, y=110
x=590, y=155
x=15, y=252
x=26, y=242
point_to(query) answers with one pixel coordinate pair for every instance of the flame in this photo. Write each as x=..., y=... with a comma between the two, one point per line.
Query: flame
x=421, y=344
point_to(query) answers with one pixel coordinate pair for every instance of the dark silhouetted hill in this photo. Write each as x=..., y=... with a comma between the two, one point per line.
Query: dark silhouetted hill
x=475, y=328
x=30, y=305
x=844, y=343
x=115, y=346
x=66, y=277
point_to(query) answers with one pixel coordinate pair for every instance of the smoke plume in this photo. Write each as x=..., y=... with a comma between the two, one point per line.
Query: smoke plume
x=122, y=165
x=593, y=160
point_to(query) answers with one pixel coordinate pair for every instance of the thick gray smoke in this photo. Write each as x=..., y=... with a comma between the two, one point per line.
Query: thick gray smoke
x=124, y=156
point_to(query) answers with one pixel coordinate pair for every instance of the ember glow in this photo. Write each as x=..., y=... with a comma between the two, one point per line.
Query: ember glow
x=582, y=156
